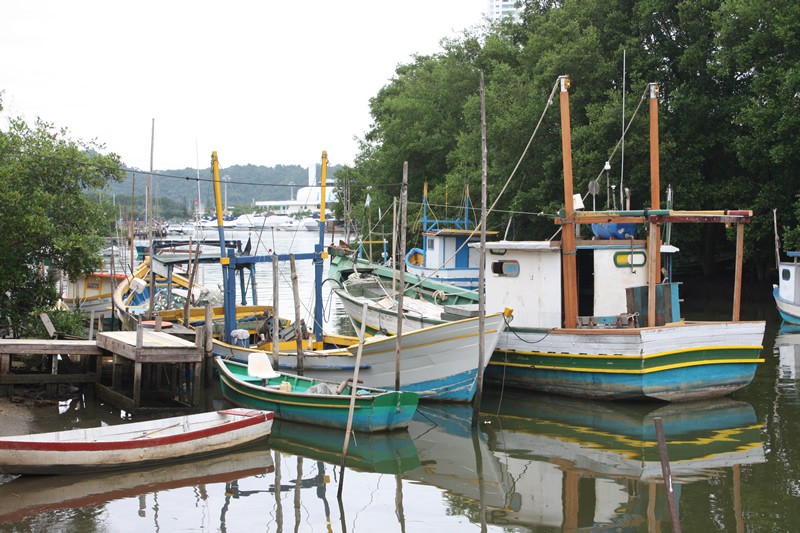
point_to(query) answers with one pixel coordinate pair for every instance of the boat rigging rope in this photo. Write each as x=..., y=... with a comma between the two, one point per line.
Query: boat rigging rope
x=619, y=141
x=506, y=184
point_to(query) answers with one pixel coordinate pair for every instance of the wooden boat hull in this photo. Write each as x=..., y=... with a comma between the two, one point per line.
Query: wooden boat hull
x=132, y=445
x=375, y=410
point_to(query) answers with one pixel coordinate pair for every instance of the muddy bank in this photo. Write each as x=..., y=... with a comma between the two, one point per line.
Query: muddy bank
x=27, y=409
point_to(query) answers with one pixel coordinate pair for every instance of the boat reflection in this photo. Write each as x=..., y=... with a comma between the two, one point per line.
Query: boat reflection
x=594, y=464
x=384, y=453
x=28, y=496
x=787, y=345
x=455, y=461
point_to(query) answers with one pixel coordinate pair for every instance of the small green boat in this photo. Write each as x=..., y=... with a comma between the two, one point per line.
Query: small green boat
x=313, y=401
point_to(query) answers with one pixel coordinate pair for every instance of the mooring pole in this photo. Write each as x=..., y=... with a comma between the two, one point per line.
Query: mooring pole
x=353, y=390
x=665, y=472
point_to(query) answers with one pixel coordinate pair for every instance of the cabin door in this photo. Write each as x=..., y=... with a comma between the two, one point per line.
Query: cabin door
x=585, y=282
x=462, y=257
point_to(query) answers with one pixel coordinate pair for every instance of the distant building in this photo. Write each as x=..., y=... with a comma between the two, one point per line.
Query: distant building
x=307, y=198
x=499, y=9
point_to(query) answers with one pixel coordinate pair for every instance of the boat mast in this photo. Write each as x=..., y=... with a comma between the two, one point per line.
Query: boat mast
x=568, y=251
x=229, y=305
x=654, y=234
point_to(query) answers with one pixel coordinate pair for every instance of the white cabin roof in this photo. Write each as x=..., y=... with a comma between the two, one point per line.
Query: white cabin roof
x=521, y=245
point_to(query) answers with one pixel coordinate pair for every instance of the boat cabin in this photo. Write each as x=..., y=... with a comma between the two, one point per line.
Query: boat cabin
x=446, y=256
x=612, y=284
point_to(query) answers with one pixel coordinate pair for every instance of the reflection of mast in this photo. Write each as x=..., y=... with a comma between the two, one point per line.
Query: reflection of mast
x=321, y=492
x=398, y=502
x=278, y=505
x=298, y=484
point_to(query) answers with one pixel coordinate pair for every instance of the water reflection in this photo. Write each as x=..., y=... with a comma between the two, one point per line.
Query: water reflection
x=384, y=453
x=457, y=462
x=580, y=464
x=787, y=346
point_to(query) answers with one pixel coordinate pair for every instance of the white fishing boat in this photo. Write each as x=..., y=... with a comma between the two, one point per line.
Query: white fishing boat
x=787, y=291
x=129, y=445
x=438, y=362
x=628, y=340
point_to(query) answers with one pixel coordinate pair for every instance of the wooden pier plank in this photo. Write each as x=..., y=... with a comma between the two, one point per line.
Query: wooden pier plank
x=49, y=347
x=156, y=347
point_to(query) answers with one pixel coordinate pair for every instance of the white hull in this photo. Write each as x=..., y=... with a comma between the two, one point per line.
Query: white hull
x=439, y=362
x=136, y=444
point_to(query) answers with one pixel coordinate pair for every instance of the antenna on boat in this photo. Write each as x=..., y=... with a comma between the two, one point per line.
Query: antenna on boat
x=622, y=147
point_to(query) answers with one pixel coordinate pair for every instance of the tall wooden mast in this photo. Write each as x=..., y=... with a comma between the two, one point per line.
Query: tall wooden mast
x=654, y=232
x=568, y=226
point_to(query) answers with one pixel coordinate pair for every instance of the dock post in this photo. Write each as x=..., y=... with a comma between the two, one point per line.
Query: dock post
x=208, y=343
x=137, y=385
x=137, y=368
x=52, y=388
x=5, y=369
x=197, y=382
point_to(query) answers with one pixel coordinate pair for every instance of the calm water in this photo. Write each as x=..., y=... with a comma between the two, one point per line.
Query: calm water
x=536, y=463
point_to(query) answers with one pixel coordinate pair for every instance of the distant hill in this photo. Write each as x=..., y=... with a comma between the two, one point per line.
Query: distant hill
x=245, y=184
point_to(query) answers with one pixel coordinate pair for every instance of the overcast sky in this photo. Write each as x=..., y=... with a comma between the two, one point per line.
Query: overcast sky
x=260, y=82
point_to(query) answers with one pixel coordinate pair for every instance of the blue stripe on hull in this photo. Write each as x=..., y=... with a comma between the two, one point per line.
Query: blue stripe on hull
x=791, y=319
x=679, y=384
x=457, y=388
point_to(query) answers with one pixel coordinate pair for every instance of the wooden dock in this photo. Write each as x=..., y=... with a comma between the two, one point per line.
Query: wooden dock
x=149, y=368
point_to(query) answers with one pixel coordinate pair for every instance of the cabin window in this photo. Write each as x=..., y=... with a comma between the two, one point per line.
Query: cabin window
x=786, y=274
x=630, y=259
x=508, y=269
x=431, y=244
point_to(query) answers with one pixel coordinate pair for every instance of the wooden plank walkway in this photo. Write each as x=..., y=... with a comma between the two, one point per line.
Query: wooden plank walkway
x=153, y=347
x=142, y=347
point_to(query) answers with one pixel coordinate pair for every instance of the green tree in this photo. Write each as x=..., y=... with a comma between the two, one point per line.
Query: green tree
x=48, y=219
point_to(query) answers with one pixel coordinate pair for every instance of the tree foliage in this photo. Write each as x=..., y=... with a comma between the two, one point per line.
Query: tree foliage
x=728, y=73
x=48, y=220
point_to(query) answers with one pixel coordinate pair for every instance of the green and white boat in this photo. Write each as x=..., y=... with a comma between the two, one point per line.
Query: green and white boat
x=313, y=401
